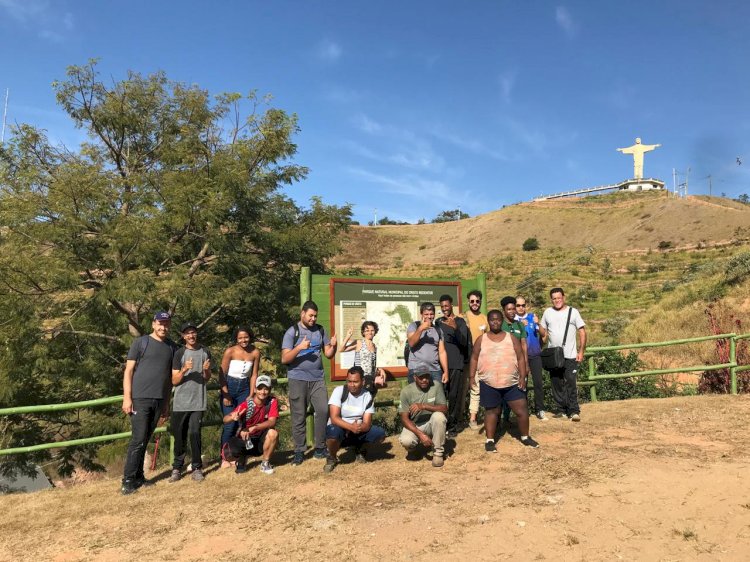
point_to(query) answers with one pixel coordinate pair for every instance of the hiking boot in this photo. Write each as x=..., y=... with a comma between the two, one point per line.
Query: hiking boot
x=489, y=446
x=128, y=487
x=542, y=415
x=413, y=455
x=437, y=461
x=575, y=418
x=176, y=475
x=197, y=475
x=330, y=465
x=266, y=468
x=529, y=442
x=299, y=458
x=320, y=454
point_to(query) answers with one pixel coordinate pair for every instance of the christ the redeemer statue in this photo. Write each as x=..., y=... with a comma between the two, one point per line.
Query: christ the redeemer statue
x=637, y=150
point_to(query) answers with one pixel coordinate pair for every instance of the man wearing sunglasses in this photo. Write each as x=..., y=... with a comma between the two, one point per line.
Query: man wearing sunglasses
x=534, y=333
x=478, y=325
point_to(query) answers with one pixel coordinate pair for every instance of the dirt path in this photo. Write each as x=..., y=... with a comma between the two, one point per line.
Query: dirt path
x=637, y=480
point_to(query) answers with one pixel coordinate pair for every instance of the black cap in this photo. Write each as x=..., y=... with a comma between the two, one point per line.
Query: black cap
x=186, y=326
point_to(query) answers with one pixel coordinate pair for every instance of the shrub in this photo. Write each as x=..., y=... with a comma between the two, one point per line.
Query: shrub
x=530, y=244
x=614, y=327
x=665, y=245
x=737, y=268
x=620, y=389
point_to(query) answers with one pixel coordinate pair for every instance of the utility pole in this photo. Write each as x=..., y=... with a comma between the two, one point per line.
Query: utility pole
x=687, y=174
x=376, y=217
x=5, y=115
x=674, y=181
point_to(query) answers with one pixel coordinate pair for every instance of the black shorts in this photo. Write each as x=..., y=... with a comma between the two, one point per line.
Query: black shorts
x=491, y=397
x=236, y=447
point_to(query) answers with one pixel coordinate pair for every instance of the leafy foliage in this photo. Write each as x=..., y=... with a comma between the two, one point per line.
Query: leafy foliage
x=449, y=216
x=173, y=203
x=530, y=244
x=611, y=362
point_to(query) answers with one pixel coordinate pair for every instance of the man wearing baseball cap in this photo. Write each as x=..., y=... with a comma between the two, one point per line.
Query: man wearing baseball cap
x=146, y=385
x=191, y=370
x=258, y=436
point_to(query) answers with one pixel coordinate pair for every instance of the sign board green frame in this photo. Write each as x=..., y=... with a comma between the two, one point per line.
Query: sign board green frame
x=345, y=302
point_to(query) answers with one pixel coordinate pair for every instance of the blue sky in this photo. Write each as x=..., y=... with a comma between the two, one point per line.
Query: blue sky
x=412, y=108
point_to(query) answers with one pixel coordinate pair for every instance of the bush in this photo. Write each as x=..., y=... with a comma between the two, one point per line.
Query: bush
x=615, y=326
x=737, y=268
x=530, y=244
x=620, y=389
x=665, y=245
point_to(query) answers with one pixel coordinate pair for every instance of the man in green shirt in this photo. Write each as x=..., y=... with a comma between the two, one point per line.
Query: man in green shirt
x=423, y=412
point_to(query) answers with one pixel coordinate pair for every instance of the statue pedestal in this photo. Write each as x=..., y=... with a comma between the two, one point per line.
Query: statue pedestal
x=640, y=184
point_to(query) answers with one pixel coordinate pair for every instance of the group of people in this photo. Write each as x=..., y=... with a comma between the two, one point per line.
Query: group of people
x=487, y=357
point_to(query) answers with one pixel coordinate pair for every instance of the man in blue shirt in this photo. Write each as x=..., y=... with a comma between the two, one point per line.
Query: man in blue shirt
x=534, y=350
x=302, y=350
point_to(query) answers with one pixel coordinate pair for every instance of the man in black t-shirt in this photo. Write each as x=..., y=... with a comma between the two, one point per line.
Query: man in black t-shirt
x=458, y=348
x=146, y=385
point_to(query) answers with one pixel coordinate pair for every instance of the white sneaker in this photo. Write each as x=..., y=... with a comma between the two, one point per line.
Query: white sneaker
x=575, y=418
x=542, y=415
x=266, y=468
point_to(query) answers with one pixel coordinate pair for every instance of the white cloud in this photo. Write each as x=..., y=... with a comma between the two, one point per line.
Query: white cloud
x=329, y=51
x=41, y=16
x=366, y=124
x=566, y=22
x=473, y=145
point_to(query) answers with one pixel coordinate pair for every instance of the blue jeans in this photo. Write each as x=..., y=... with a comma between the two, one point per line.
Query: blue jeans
x=349, y=439
x=239, y=390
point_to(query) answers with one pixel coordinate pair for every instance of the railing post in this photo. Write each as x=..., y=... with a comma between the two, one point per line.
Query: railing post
x=733, y=359
x=310, y=428
x=592, y=372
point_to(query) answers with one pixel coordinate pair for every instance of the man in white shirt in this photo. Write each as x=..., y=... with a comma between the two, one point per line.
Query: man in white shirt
x=350, y=411
x=557, y=321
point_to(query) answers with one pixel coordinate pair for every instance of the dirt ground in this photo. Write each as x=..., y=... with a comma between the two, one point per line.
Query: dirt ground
x=635, y=480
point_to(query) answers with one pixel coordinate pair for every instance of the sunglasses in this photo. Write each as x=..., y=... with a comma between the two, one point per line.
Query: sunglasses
x=474, y=301
x=517, y=304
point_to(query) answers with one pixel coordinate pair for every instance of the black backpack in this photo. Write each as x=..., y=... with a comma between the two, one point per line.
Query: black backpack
x=143, y=345
x=318, y=326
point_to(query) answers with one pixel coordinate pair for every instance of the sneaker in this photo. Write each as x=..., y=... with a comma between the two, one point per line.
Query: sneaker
x=266, y=468
x=575, y=417
x=128, y=487
x=320, y=454
x=361, y=457
x=299, y=458
x=437, y=461
x=529, y=442
x=143, y=483
x=473, y=425
x=176, y=475
x=330, y=465
x=451, y=434
x=562, y=415
x=241, y=467
x=542, y=415
x=489, y=446
x=413, y=455
x=197, y=475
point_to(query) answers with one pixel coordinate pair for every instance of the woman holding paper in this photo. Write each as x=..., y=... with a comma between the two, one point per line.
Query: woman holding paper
x=365, y=355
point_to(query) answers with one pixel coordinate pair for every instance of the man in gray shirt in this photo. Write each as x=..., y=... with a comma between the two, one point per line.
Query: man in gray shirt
x=146, y=384
x=426, y=347
x=302, y=351
x=191, y=370
x=553, y=327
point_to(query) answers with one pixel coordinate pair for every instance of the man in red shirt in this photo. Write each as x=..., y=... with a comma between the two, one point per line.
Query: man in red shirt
x=257, y=436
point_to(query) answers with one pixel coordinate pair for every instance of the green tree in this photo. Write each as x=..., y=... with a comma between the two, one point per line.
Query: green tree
x=174, y=202
x=450, y=215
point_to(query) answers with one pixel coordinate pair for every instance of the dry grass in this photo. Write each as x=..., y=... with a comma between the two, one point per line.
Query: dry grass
x=616, y=485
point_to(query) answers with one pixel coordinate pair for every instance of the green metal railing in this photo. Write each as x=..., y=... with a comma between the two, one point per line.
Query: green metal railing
x=126, y=434
x=733, y=367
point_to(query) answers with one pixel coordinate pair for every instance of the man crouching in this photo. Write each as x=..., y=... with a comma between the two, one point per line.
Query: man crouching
x=350, y=411
x=422, y=410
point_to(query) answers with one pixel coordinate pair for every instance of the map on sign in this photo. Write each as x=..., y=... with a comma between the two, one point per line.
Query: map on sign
x=393, y=306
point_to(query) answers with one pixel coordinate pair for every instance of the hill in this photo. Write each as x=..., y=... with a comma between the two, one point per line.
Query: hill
x=636, y=480
x=616, y=222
